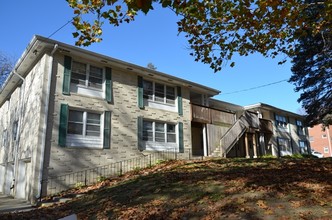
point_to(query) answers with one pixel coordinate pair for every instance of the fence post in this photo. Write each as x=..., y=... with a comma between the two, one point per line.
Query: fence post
x=85, y=179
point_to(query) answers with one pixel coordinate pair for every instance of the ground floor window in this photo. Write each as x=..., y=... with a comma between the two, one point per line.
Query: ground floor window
x=326, y=150
x=84, y=128
x=159, y=132
x=160, y=136
x=284, y=146
x=303, y=147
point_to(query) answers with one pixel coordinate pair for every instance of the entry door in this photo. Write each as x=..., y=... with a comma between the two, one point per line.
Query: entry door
x=21, y=181
x=197, y=139
x=9, y=179
x=2, y=178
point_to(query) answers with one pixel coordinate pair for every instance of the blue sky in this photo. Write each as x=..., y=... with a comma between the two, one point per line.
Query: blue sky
x=152, y=38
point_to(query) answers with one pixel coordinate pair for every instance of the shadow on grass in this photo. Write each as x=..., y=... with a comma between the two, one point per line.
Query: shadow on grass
x=214, y=189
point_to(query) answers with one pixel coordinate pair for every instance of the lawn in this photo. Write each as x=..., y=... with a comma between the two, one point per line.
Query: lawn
x=285, y=188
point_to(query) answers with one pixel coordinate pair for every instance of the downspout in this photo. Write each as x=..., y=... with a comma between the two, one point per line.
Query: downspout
x=329, y=140
x=42, y=149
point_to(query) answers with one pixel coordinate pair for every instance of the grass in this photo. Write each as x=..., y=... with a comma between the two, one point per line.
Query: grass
x=266, y=188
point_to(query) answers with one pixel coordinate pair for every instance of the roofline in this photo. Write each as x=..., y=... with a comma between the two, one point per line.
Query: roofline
x=269, y=107
x=129, y=66
x=37, y=40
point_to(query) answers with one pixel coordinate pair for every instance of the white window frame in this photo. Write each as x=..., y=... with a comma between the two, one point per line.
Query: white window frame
x=83, y=140
x=300, y=128
x=158, y=145
x=5, y=138
x=285, y=148
x=324, y=136
x=326, y=150
x=281, y=122
x=86, y=89
x=153, y=101
x=304, y=147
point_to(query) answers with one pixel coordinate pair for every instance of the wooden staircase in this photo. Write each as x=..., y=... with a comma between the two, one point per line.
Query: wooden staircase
x=232, y=136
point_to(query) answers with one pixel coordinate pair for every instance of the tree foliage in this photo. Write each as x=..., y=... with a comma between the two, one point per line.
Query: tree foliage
x=215, y=29
x=6, y=65
x=312, y=70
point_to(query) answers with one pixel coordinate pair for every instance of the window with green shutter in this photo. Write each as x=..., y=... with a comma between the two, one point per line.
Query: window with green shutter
x=107, y=130
x=66, y=76
x=140, y=92
x=108, y=85
x=181, y=144
x=63, y=125
x=140, y=132
x=180, y=107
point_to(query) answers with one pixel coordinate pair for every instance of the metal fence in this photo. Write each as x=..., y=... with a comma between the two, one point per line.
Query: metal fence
x=93, y=175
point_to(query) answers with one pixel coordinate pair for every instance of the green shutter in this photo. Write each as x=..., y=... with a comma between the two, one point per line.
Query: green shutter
x=181, y=146
x=63, y=125
x=66, y=76
x=180, y=108
x=140, y=132
x=140, y=92
x=107, y=130
x=108, y=85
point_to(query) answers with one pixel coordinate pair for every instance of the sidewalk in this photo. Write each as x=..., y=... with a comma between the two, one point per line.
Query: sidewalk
x=9, y=204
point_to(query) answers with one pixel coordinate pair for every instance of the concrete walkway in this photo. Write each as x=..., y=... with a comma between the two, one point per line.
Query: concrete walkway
x=9, y=204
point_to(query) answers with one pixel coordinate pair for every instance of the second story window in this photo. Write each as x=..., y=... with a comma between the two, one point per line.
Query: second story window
x=86, y=75
x=300, y=128
x=281, y=121
x=158, y=92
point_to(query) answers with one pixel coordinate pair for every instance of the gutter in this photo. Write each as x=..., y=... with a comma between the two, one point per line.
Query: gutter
x=42, y=148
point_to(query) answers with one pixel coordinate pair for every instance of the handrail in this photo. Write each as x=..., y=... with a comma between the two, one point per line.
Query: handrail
x=246, y=120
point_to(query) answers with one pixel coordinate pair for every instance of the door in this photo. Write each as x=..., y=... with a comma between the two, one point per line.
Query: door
x=197, y=139
x=9, y=179
x=21, y=181
x=2, y=178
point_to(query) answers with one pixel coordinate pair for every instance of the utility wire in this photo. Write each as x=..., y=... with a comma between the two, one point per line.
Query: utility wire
x=256, y=87
x=60, y=28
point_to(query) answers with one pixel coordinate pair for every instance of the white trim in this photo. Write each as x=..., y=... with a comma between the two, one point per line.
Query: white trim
x=85, y=89
x=75, y=140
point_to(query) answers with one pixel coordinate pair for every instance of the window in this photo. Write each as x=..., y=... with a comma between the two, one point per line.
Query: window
x=284, y=146
x=326, y=150
x=86, y=75
x=300, y=128
x=159, y=132
x=15, y=129
x=303, y=147
x=158, y=92
x=324, y=136
x=4, y=138
x=281, y=121
x=84, y=123
x=311, y=138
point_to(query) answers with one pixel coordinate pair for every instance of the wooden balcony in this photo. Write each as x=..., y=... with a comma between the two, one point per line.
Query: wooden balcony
x=200, y=114
x=208, y=115
x=265, y=126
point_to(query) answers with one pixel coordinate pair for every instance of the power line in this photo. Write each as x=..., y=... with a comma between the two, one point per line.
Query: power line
x=61, y=27
x=256, y=87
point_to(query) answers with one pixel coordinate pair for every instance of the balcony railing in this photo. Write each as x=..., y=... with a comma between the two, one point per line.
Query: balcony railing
x=208, y=115
x=265, y=126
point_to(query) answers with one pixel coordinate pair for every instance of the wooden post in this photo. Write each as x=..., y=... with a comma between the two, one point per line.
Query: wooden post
x=246, y=143
x=254, y=144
